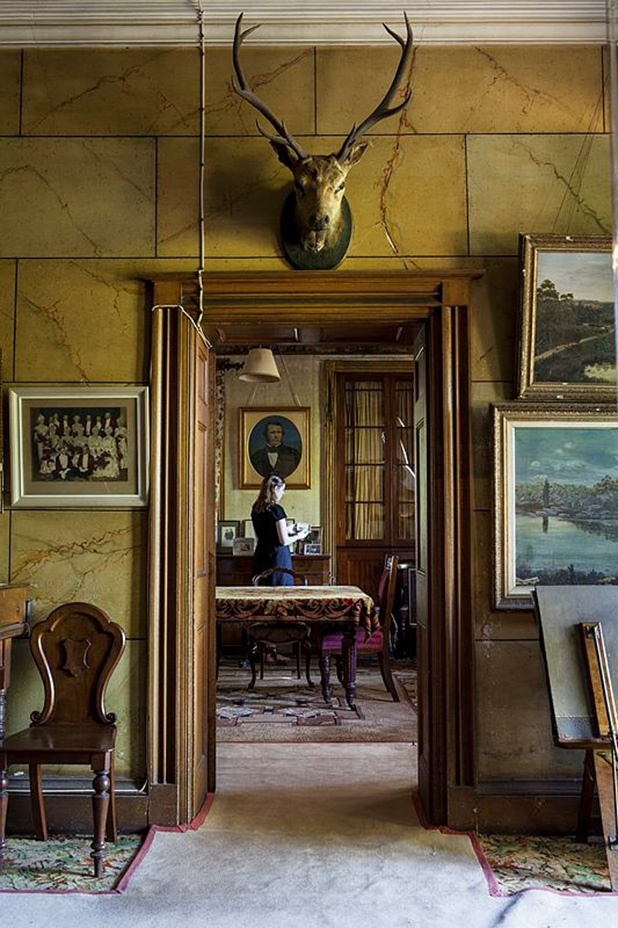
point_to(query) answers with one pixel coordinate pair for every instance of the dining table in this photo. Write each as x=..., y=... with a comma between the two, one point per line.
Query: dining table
x=326, y=609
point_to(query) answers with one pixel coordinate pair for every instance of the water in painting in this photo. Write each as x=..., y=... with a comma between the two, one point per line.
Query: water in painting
x=566, y=505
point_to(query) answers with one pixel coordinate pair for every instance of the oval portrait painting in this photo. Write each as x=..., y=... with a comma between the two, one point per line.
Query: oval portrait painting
x=275, y=446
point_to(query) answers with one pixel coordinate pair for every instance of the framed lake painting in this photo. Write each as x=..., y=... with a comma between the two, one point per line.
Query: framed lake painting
x=567, y=347
x=555, y=499
x=75, y=447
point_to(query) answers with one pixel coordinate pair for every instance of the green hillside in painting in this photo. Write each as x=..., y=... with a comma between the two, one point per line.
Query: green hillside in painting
x=575, y=338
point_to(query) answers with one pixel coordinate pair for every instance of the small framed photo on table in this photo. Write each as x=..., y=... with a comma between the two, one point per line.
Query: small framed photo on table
x=243, y=546
x=228, y=530
x=312, y=549
x=75, y=447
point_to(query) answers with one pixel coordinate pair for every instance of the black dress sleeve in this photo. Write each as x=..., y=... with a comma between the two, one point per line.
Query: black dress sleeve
x=278, y=512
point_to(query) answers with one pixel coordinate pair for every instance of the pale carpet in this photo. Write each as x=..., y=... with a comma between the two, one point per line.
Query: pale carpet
x=311, y=836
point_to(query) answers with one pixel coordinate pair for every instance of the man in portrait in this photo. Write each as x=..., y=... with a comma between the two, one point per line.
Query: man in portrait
x=275, y=457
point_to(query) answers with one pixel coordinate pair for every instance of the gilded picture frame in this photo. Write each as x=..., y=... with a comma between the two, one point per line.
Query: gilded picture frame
x=555, y=499
x=78, y=447
x=567, y=340
x=275, y=440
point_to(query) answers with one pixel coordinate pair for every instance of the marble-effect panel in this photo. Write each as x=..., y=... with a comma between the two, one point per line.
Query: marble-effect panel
x=76, y=197
x=109, y=91
x=466, y=89
x=126, y=696
x=81, y=321
x=556, y=183
x=493, y=320
x=72, y=556
x=8, y=269
x=283, y=78
x=514, y=726
x=483, y=394
x=407, y=197
x=10, y=81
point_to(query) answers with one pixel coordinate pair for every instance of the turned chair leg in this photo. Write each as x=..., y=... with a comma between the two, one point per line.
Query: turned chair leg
x=251, y=652
x=387, y=677
x=4, y=804
x=100, y=808
x=308, y=663
x=325, y=676
x=112, y=823
x=38, y=803
x=339, y=667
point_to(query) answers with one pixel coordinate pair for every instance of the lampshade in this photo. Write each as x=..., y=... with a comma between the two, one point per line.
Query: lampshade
x=260, y=367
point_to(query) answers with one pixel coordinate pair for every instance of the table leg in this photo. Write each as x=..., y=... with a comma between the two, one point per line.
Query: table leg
x=348, y=654
x=325, y=675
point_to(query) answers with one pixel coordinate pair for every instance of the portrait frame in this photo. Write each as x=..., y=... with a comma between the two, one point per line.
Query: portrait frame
x=519, y=505
x=558, y=371
x=97, y=459
x=243, y=547
x=312, y=549
x=314, y=540
x=296, y=425
x=228, y=530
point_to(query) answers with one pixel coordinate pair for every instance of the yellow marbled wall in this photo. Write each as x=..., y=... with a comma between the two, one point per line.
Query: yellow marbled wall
x=98, y=181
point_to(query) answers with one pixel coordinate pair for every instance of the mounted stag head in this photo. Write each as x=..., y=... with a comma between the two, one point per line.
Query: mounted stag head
x=316, y=222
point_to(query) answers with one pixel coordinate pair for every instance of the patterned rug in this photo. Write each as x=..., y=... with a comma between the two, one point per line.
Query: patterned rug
x=519, y=862
x=63, y=864
x=283, y=708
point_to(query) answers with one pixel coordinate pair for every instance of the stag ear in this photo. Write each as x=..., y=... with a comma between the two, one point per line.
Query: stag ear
x=285, y=155
x=354, y=155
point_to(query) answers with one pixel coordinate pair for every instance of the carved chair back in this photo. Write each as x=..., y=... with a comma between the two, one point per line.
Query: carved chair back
x=299, y=579
x=76, y=650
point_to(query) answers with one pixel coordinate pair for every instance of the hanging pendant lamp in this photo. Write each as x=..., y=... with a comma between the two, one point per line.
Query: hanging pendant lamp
x=260, y=367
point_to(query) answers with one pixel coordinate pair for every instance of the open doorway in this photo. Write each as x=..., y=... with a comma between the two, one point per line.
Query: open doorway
x=338, y=428
x=182, y=664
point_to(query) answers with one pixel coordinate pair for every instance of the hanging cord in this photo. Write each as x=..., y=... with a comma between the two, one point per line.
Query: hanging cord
x=184, y=312
x=295, y=396
x=202, y=222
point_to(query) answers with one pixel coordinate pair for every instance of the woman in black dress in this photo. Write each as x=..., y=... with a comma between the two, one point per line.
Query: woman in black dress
x=273, y=538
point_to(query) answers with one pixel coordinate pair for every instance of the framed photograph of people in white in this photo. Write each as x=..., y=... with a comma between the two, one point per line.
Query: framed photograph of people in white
x=555, y=499
x=567, y=348
x=275, y=440
x=228, y=530
x=76, y=447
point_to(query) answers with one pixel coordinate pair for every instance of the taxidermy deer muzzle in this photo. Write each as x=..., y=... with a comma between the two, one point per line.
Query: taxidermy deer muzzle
x=316, y=222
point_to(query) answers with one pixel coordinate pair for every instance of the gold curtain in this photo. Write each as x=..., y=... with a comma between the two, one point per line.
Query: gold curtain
x=364, y=414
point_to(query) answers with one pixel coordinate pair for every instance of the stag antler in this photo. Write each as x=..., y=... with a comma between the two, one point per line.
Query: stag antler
x=242, y=89
x=382, y=109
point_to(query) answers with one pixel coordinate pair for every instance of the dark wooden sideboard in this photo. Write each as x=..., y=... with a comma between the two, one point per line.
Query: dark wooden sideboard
x=238, y=570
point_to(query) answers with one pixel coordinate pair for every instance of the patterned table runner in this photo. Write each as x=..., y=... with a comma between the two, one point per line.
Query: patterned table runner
x=319, y=604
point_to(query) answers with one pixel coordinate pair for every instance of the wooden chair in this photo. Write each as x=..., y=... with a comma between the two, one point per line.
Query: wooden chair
x=379, y=641
x=76, y=650
x=261, y=634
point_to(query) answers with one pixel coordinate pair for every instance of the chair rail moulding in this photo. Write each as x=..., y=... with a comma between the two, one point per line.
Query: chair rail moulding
x=438, y=300
x=351, y=22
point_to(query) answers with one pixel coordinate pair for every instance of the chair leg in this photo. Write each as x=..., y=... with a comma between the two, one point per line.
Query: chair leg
x=38, y=803
x=308, y=663
x=251, y=652
x=4, y=804
x=100, y=808
x=262, y=650
x=112, y=823
x=385, y=670
x=339, y=667
x=325, y=676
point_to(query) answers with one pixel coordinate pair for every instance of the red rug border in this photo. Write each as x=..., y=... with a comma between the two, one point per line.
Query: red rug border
x=127, y=875
x=490, y=877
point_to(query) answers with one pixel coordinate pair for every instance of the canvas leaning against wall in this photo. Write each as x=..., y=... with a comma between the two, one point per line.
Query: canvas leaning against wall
x=555, y=500
x=568, y=346
x=77, y=447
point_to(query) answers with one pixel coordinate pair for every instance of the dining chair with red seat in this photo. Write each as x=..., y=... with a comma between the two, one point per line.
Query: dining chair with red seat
x=75, y=650
x=378, y=642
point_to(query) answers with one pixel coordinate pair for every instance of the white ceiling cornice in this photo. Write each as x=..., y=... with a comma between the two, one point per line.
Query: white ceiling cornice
x=357, y=22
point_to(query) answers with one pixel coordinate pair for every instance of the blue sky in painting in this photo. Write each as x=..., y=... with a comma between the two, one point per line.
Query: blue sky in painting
x=565, y=455
x=586, y=276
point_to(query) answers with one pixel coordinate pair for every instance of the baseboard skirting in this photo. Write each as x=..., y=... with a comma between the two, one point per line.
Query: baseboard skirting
x=516, y=806
x=71, y=813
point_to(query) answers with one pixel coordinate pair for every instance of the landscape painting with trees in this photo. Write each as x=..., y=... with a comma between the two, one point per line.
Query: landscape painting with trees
x=575, y=330
x=568, y=331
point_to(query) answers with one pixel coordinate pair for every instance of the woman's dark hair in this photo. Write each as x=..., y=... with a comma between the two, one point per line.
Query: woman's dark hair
x=267, y=492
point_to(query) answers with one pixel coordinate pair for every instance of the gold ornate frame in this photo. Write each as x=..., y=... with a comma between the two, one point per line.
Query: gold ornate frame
x=249, y=418
x=506, y=418
x=531, y=246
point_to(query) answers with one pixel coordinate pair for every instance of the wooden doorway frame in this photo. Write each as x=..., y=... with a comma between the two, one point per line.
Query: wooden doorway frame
x=441, y=301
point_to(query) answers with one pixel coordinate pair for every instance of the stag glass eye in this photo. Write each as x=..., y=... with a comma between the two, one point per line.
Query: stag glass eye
x=340, y=187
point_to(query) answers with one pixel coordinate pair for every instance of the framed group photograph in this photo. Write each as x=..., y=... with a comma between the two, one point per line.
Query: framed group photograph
x=275, y=440
x=567, y=345
x=555, y=499
x=78, y=447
